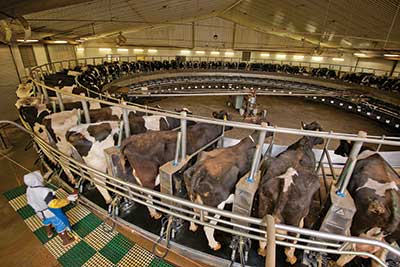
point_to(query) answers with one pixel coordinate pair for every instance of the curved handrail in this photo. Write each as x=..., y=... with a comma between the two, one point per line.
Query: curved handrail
x=141, y=195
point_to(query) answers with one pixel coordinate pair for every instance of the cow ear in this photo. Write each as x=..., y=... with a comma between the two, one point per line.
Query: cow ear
x=214, y=114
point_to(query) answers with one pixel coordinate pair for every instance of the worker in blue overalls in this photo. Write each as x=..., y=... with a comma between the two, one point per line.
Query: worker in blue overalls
x=49, y=208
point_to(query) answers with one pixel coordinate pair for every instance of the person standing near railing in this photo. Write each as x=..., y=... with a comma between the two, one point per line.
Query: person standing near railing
x=49, y=208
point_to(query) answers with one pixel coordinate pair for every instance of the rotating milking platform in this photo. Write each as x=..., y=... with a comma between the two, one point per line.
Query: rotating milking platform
x=192, y=244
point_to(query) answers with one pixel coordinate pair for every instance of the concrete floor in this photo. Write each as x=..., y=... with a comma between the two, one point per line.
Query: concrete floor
x=18, y=245
x=284, y=112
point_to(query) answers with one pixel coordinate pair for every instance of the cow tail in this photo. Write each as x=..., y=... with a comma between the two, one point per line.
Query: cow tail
x=394, y=223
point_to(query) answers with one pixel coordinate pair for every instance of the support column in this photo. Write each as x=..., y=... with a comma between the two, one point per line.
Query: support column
x=347, y=171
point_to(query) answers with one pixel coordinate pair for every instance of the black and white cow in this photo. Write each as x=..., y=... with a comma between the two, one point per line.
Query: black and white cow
x=374, y=186
x=288, y=185
x=90, y=140
x=145, y=153
x=212, y=179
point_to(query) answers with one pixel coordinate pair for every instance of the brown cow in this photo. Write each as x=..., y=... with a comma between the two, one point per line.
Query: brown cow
x=149, y=151
x=374, y=187
x=212, y=180
x=288, y=185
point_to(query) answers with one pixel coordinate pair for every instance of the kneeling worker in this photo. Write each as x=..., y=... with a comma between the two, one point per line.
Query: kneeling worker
x=48, y=208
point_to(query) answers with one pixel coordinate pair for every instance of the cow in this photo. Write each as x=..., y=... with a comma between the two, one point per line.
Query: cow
x=288, y=184
x=32, y=110
x=146, y=152
x=90, y=140
x=374, y=186
x=212, y=179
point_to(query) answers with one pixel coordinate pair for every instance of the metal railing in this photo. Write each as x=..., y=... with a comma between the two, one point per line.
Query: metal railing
x=184, y=209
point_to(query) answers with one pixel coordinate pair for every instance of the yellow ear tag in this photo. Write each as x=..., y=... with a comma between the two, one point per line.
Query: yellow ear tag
x=225, y=118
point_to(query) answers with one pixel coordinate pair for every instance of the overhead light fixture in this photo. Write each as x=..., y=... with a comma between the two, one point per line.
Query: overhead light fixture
x=214, y=53
x=229, y=53
x=281, y=56
x=200, y=52
x=338, y=59
x=60, y=42
x=79, y=40
x=80, y=49
x=27, y=41
x=122, y=49
x=360, y=54
x=298, y=57
x=105, y=49
x=185, y=51
x=317, y=58
x=152, y=50
x=265, y=54
x=391, y=55
x=138, y=50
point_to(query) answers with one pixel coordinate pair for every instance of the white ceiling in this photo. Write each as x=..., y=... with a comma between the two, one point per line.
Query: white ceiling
x=345, y=24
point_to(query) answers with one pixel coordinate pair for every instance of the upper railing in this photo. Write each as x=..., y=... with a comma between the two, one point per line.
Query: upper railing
x=58, y=65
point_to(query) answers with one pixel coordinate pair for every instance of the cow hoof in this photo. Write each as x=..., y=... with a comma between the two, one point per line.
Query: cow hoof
x=291, y=260
x=217, y=247
x=156, y=216
x=193, y=227
x=261, y=252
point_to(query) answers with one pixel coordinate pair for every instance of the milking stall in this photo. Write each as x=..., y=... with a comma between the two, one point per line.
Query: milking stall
x=200, y=133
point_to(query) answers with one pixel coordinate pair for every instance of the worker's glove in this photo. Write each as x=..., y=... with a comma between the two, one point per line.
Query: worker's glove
x=72, y=197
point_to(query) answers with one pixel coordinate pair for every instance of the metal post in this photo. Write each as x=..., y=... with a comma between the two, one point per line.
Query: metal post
x=121, y=126
x=60, y=102
x=178, y=147
x=183, y=131
x=350, y=164
x=380, y=145
x=125, y=117
x=271, y=245
x=45, y=94
x=85, y=109
x=257, y=154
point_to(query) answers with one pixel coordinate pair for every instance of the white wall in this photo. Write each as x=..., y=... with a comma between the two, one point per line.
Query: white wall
x=40, y=54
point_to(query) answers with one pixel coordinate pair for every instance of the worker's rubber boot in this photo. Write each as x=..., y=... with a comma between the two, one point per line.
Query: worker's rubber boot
x=66, y=238
x=49, y=230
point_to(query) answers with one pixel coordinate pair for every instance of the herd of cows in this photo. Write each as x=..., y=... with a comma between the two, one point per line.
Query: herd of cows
x=288, y=184
x=95, y=77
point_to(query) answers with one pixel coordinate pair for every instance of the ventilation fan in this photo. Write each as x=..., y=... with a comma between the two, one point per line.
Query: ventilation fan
x=10, y=27
x=120, y=39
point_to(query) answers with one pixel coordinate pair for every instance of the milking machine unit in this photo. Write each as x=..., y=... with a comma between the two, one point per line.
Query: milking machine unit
x=342, y=207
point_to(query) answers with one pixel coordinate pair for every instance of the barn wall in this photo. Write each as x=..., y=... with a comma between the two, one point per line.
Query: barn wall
x=8, y=84
x=40, y=54
x=61, y=52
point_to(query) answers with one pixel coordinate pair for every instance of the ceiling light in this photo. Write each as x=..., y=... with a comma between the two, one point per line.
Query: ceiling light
x=360, y=54
x=60, y=42
x=200, y=52
x=105, y=49
x=298, y=57
x=152, y=50
x=281, y=56
x=338, y=59
x=316, y=58
x=80, y=49
x=138, y=50
x=391, y=55
x=122, y=49
x=265, y=54
x=229, y=53
x=28, y=41
x=185, y=51
x=214, y=52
